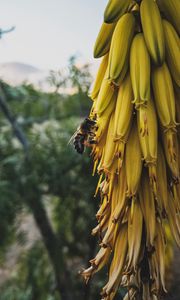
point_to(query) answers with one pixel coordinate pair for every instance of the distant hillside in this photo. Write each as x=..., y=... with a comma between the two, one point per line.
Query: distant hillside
x=16, y=73
x=20, y=67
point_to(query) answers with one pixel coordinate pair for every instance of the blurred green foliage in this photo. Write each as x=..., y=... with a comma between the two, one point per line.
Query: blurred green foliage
x=54, y=185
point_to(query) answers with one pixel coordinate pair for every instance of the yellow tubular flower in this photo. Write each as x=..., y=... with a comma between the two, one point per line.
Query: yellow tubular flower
x=147, y=204
x=171, y=9
x=106, y=95
x=116, y=269
x=176, y=197
x=109, y=149
x=164, y=96
x=99, y=77
x=153, y=30
x=135, y=225
x=133, y=150
x=160, y=244
x=103, y=40
x=121, y=206
x=97, y=263
x=115, y=9
x=123, y=118
x=172, y=44
x=140, y=70
x=148, y=135
x=162, y=194
x=170, y=143
x=120, y=47
x=123, y=110
x=173, y=219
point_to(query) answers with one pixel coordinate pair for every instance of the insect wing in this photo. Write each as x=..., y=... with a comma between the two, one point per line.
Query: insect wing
x=73, y=136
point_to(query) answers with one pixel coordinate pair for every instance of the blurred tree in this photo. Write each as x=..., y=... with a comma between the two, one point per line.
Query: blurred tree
x=52, y=170
x=57, y=80
x=79, y=76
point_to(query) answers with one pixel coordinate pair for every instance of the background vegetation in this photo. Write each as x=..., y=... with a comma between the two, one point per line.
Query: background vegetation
x=44, y=179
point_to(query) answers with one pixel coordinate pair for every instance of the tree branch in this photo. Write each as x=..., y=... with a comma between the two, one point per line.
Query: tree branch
x=9, y=116
x=6, y=31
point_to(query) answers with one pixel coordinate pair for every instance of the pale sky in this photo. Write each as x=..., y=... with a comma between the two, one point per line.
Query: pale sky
x=48, y=32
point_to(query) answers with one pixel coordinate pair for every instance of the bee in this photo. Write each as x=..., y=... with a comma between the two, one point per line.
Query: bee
x=84, y=135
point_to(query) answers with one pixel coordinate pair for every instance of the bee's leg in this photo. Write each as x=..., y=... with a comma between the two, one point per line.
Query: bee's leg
x=92, y=142
x=92, y=134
